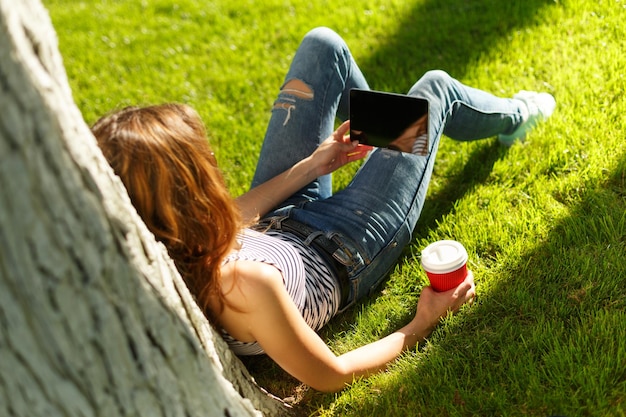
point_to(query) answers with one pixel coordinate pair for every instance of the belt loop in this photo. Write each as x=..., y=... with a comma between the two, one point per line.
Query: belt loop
x=312, y=237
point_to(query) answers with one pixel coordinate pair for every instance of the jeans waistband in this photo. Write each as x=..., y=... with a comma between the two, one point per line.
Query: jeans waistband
x=327, y=248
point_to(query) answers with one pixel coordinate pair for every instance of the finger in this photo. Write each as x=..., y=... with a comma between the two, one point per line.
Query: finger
x=365, y=148
x=342, y=130
x=465, y=292
x=470, y=294
x=463, y=289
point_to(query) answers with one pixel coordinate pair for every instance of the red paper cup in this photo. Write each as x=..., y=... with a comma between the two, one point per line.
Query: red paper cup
x=445, y=263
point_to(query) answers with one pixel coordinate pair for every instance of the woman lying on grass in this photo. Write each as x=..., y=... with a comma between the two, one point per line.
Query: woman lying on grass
x=275, y=265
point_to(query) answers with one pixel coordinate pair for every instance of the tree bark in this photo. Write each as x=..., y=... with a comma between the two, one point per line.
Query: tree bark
x=94, y=317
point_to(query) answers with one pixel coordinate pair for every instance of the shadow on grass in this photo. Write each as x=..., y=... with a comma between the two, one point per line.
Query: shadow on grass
x=476, y=170
x=450, y=35
x=548, y=338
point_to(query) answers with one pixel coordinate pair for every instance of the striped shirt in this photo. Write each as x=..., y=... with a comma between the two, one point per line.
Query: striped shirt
x=308, y=280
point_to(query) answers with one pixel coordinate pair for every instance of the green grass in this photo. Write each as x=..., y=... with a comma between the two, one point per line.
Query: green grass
x=544, y=222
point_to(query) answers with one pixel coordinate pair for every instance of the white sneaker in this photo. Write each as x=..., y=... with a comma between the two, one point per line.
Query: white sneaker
x=540, y=106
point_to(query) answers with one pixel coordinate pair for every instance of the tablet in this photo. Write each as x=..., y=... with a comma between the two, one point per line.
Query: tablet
x=389, y=120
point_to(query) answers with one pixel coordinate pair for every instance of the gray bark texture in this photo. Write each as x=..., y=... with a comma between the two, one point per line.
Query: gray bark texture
x=94, y=318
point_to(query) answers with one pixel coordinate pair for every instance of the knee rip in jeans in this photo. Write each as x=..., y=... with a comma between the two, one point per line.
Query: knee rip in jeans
x=292, y=90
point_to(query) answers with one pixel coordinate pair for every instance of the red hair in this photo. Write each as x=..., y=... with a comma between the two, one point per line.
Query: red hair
x=163, y=157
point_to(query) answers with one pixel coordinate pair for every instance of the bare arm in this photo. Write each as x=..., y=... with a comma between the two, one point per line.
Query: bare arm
x=270, y=317
x=333, y=153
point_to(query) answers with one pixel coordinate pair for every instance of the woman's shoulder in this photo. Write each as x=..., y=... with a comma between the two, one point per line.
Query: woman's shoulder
x=249, y=289
x=244, y=280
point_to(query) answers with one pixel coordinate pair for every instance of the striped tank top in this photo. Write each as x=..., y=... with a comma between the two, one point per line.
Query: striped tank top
x=308, y=280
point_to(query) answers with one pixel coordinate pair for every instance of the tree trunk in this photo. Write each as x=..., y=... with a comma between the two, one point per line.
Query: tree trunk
x=94, y=317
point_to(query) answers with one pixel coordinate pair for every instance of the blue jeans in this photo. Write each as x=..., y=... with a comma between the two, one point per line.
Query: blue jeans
x=374, y=216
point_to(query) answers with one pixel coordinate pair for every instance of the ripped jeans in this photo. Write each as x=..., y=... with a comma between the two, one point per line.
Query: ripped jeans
x=374, y=216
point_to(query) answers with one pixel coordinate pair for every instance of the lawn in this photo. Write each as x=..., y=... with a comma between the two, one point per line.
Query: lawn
x=544, y=222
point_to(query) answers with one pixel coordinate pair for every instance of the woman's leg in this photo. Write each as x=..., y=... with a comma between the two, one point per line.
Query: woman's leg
x=465, y=113
x=374, y=216
x=316, y=90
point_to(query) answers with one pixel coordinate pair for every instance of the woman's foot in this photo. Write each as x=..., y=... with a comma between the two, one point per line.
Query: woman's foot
x=540, y=106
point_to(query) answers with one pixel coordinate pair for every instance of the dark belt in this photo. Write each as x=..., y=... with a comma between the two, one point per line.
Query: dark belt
x=325, y=247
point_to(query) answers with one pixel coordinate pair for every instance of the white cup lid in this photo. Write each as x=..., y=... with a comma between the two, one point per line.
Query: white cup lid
x=443, y=256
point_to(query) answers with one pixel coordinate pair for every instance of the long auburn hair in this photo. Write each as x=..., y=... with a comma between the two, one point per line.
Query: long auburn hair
x=163, y=157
